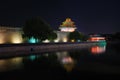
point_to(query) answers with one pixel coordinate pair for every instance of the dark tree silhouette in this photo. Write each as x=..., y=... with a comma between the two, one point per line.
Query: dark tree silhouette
x=52, y=36
x=75, y=36
x=37, y=28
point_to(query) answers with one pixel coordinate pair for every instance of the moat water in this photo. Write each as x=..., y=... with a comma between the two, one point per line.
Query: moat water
x=89, y=63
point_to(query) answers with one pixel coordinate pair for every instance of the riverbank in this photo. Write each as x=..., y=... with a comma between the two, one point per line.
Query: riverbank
x=7, y=50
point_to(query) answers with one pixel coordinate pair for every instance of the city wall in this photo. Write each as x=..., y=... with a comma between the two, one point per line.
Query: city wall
x=23, y=49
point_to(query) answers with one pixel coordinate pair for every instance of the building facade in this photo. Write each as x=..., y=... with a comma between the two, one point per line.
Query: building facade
x=14, y=34
x=10, y=35
x=65, y=28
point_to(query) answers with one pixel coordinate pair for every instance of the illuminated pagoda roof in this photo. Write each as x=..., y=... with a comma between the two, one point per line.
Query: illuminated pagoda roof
x=67, y=25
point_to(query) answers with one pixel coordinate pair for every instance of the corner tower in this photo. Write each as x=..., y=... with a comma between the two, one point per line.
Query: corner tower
x=67, y=26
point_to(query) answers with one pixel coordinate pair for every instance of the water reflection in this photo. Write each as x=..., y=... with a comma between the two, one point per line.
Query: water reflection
x=66, y=60
x=98, y=49
x=32, y=57
x=10, y=64
x=63, y=58
x=68, y=63
x=58, y=63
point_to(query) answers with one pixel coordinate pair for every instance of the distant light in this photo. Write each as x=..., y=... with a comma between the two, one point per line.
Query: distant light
x=97, y=38
x=56, y=40
x=72, y=40
x=64, y=39
x=32, y=40
x=64, y=29
x=78, y=40
x=46, y=41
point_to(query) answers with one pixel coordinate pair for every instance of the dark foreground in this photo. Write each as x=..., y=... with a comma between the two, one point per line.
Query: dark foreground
x=65, y=65
x=54, y=73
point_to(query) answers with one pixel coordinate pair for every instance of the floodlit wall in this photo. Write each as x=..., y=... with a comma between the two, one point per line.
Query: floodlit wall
x=14, y=35
x=62, y=36
x=10, y=35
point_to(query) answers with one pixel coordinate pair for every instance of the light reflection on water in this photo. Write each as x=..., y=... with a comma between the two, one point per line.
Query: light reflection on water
x=10, y=64
x=98, y=49
x=65, y=59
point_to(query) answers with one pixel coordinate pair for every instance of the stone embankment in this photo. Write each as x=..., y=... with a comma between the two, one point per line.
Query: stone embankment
x=7, y=50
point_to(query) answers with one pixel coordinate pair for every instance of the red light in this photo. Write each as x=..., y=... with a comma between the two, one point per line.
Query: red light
x=97, y=50
x=97, y=38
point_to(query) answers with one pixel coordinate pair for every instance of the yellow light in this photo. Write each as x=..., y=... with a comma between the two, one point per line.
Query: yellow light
x=2, y=38
x=72, y=40
x=2, y=41
x=64, y=39
x=16, y=38
x=10, y=64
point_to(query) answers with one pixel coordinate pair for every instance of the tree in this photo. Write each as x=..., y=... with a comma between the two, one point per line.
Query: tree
x=37, y=28
x=75, y=36
x=52, y=36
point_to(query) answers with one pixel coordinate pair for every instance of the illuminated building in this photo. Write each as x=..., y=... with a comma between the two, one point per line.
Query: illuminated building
x=10, y=35
x=96, y=38
x=62, y=36
x=65, y=28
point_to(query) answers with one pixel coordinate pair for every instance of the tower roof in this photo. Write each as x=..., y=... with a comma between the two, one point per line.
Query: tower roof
x=68, y=23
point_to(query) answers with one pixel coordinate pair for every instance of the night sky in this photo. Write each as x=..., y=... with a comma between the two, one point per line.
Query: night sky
x=90, y=16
